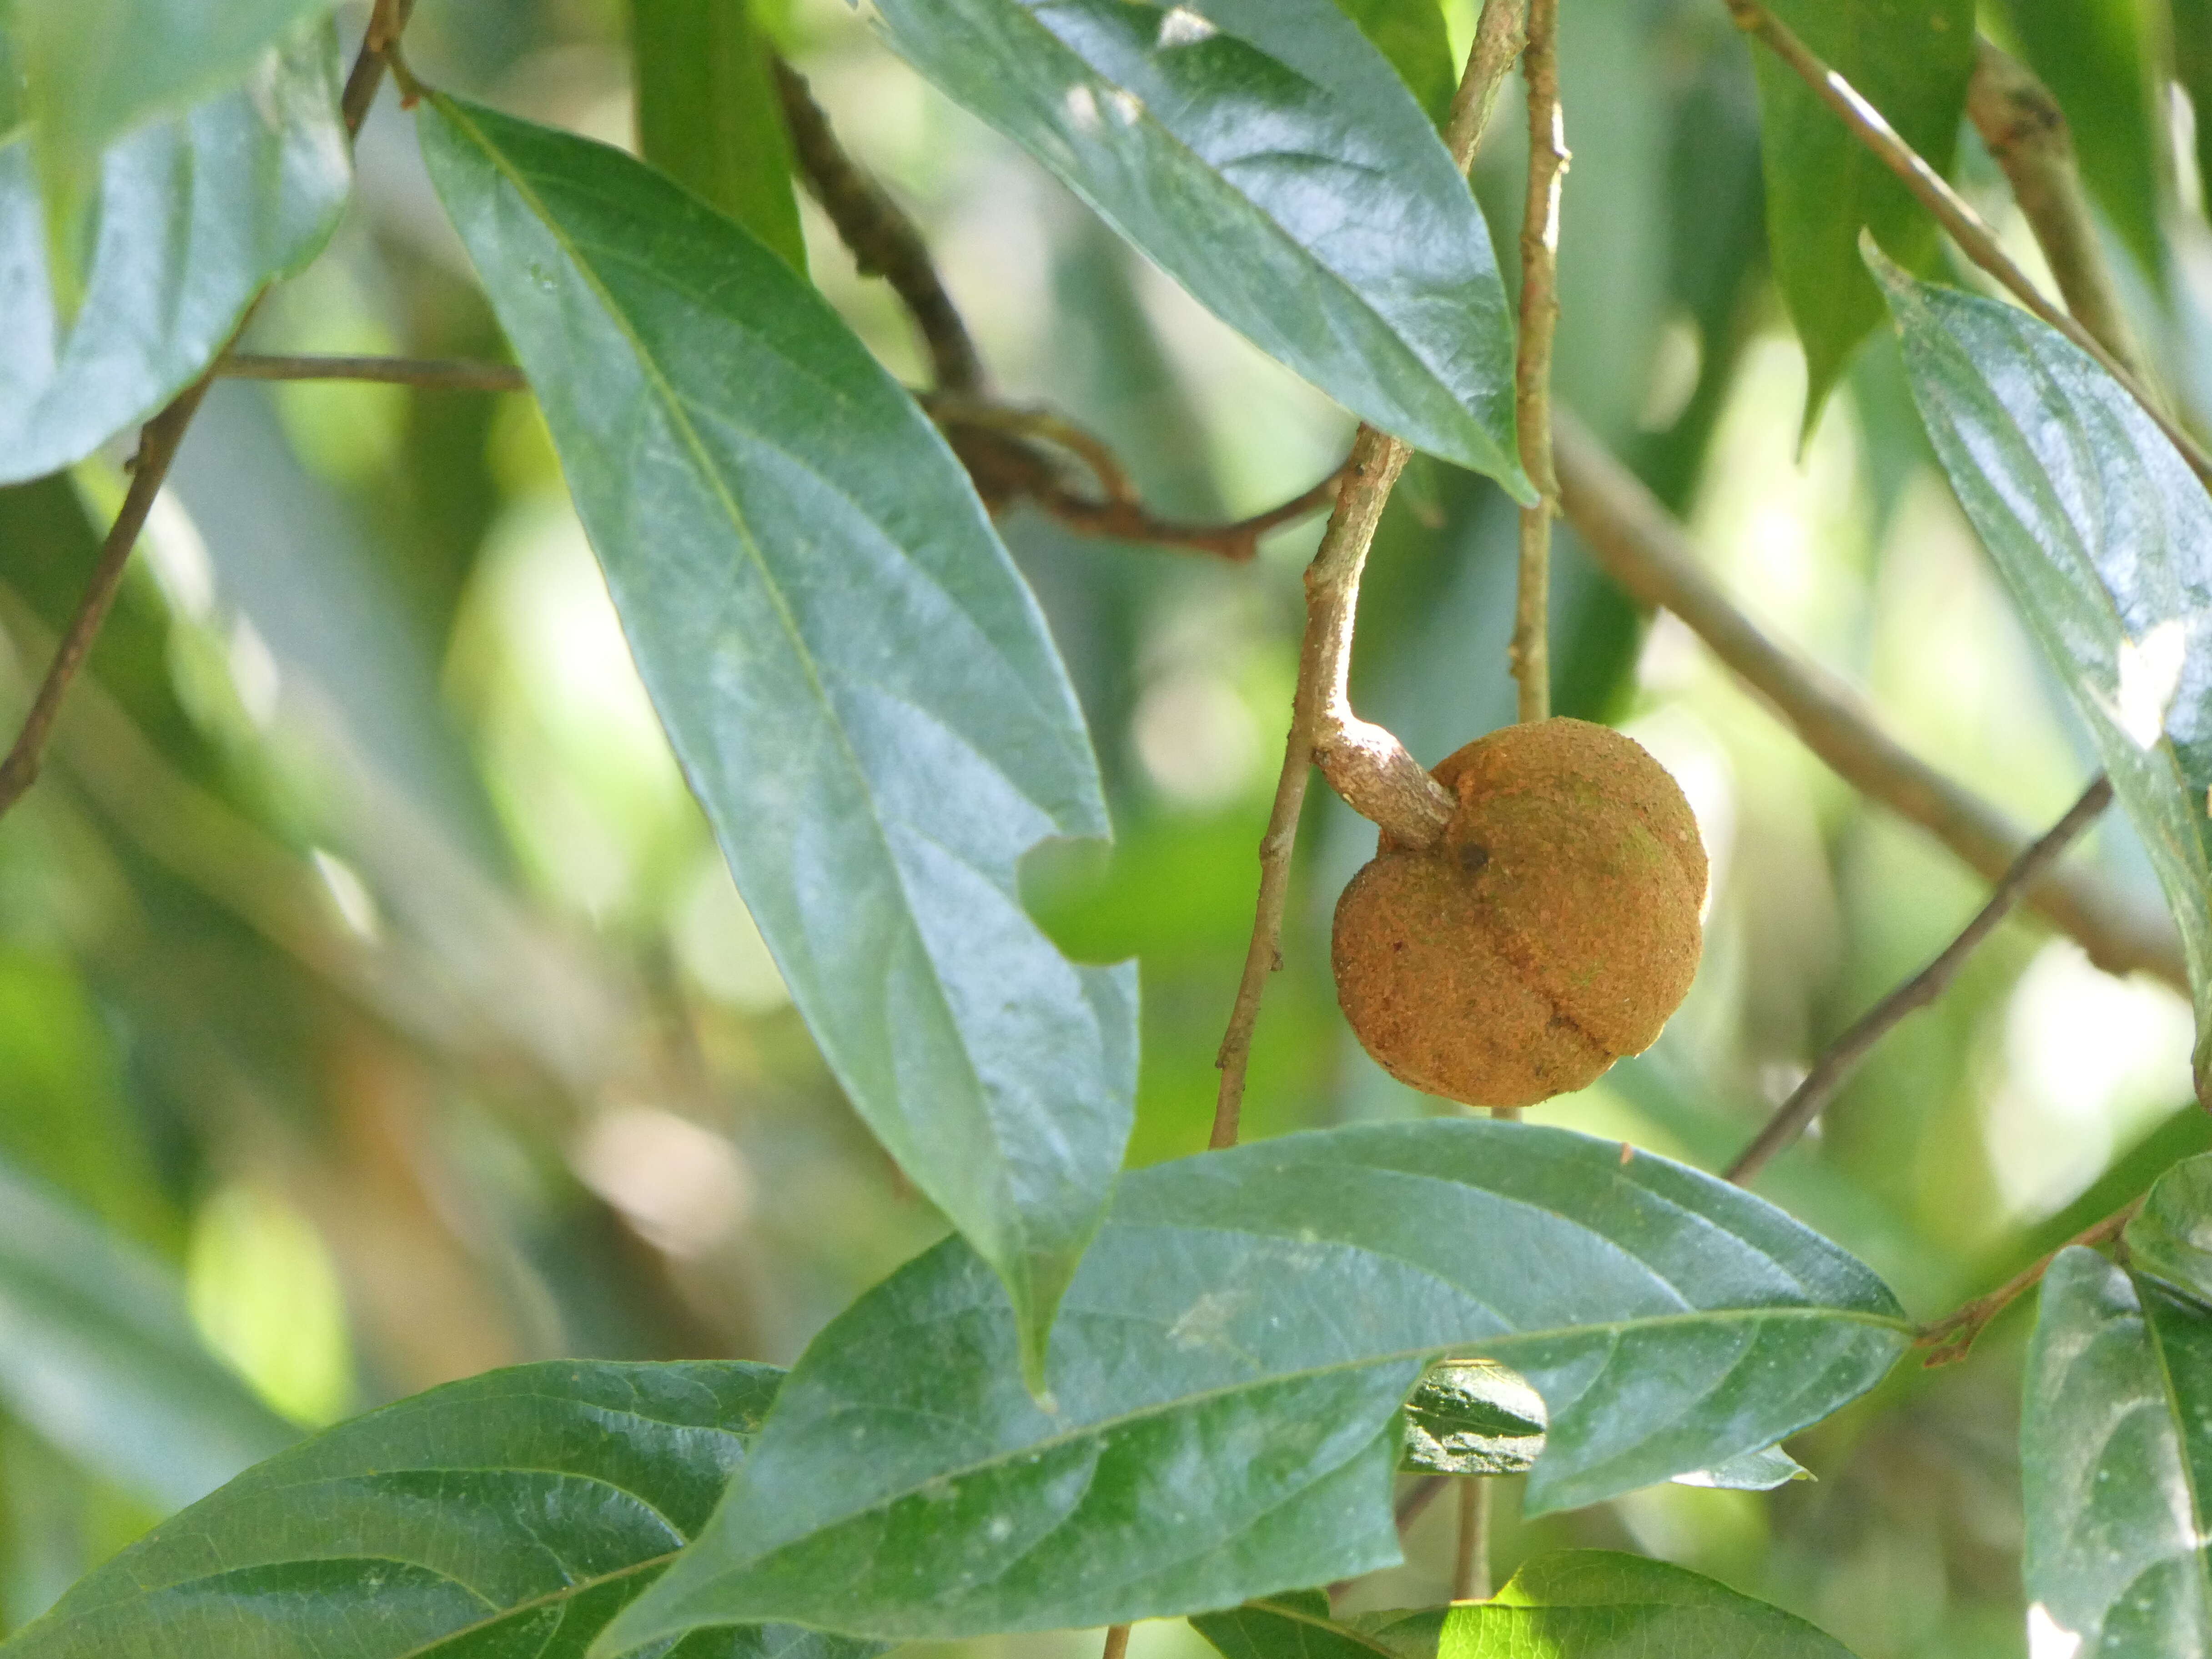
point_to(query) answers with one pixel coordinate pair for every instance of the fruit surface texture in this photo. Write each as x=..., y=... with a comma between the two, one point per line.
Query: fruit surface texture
x=1551, y=930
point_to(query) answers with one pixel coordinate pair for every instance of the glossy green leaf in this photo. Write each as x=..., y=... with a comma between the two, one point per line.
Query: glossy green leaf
x=1264, y=154
x=1472, y=1417
x=2171, y=1237
x=510, y=1514
x=1411, y=34
x=1600, y=1604
x=98, y=1354
x=1757, y=1471
x=708, y=114
x=2097, y=57
x=195, y=214
x=2116, y=1462
x=95, y=70
x=1226, y=1375
x=1911, y=60
x=859, y=685
x=2105, y=537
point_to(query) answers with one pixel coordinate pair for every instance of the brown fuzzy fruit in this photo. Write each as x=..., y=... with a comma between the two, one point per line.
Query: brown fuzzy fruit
x=1552, y=930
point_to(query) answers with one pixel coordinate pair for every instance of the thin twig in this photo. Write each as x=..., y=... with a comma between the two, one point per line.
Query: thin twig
x=1948, y=1339
x=1117, y=1641
x=1835, y=1068
x=158, y=442
x=1530, y=655
x=1471, y=1559
x=1647, y=552
x=883, y=239
x=2026, y=132
x=1967, y=228
x=452, y=374
x=1366, y=765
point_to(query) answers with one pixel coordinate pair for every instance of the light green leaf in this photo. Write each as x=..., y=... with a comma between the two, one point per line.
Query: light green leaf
x=2116, y=1462
x=860, y=689
x=1298, y=1625
x=2105, y=537
x=1264, y=154
x=1757, y=1471
x=1472, y=1417
x=1411, y=34
x=1911, y=60
x=1599, y=1604
x=2171, y=1237
x=509, y=1513
x=1227, y=1371
x=95, y=70
x=195, y=214
x=708, y=117
x=98, y=1355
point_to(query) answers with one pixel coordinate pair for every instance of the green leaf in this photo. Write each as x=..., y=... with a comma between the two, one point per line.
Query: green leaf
x=94, y=70
x=1226, y=1375
x=860, y=687
x=509, y=1513
x=2171, y=1237
x=1757, y=1471
x=1411, y=34
x=708, y=117
x=2192, y=67
x=1472, y=1417
x=98, y=1355
x=2096, y=56
x=2116, y=1462
x=1298, y=1625
x=1600, y=1604
x=1912, y=59
x=1265, y=156
x=2105, y=537
x=195, y=215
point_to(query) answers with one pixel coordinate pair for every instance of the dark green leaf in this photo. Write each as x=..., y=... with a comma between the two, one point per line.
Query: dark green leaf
x=97, y=1354
x=1299, y=1625
x=2192, y=67
x=1411, y=34
x=1598, y=1604
x=510, y=1514
x=860, y=687
x=2171, y=1237
x=1911, y=60
x=195, y=214
x=2105, y=537
x=94, y=70
x=708, y=114
x=1227, y=1370
x=1757, y=1471
x=1266, y=156
x=2116, y=1459
x=2096, y=56
x=1472, y=1417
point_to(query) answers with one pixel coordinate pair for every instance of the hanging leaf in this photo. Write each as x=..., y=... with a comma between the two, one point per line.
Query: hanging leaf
x=708, y=114
x=1411, y=36
x=1911, y=60
x=1269, y=158
x=1227, y=1371
x=2116, y=1459
x=2105, y=537
x=195, y=214
x=513, y=1513
x=860, y=687
x=98, y=1354
x=96, y=70
x=1757, y=1471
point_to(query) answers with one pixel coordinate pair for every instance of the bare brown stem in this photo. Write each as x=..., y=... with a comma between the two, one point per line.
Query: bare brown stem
x=385, y=25
x=2026, y=132
x=1368, y=767
x=1117, y=1641
x=1471, y=1557
x=884, y=241
x=1835, y=1068
x=1643, y=548
x=432, y=374
x=1950, y=1338
x=1530, y=655
x=1967, y=228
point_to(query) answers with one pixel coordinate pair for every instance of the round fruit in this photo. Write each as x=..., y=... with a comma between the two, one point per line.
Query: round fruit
x=1551, y=930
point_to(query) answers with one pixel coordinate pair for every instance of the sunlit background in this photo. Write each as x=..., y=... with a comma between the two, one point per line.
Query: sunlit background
x=365, y=962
